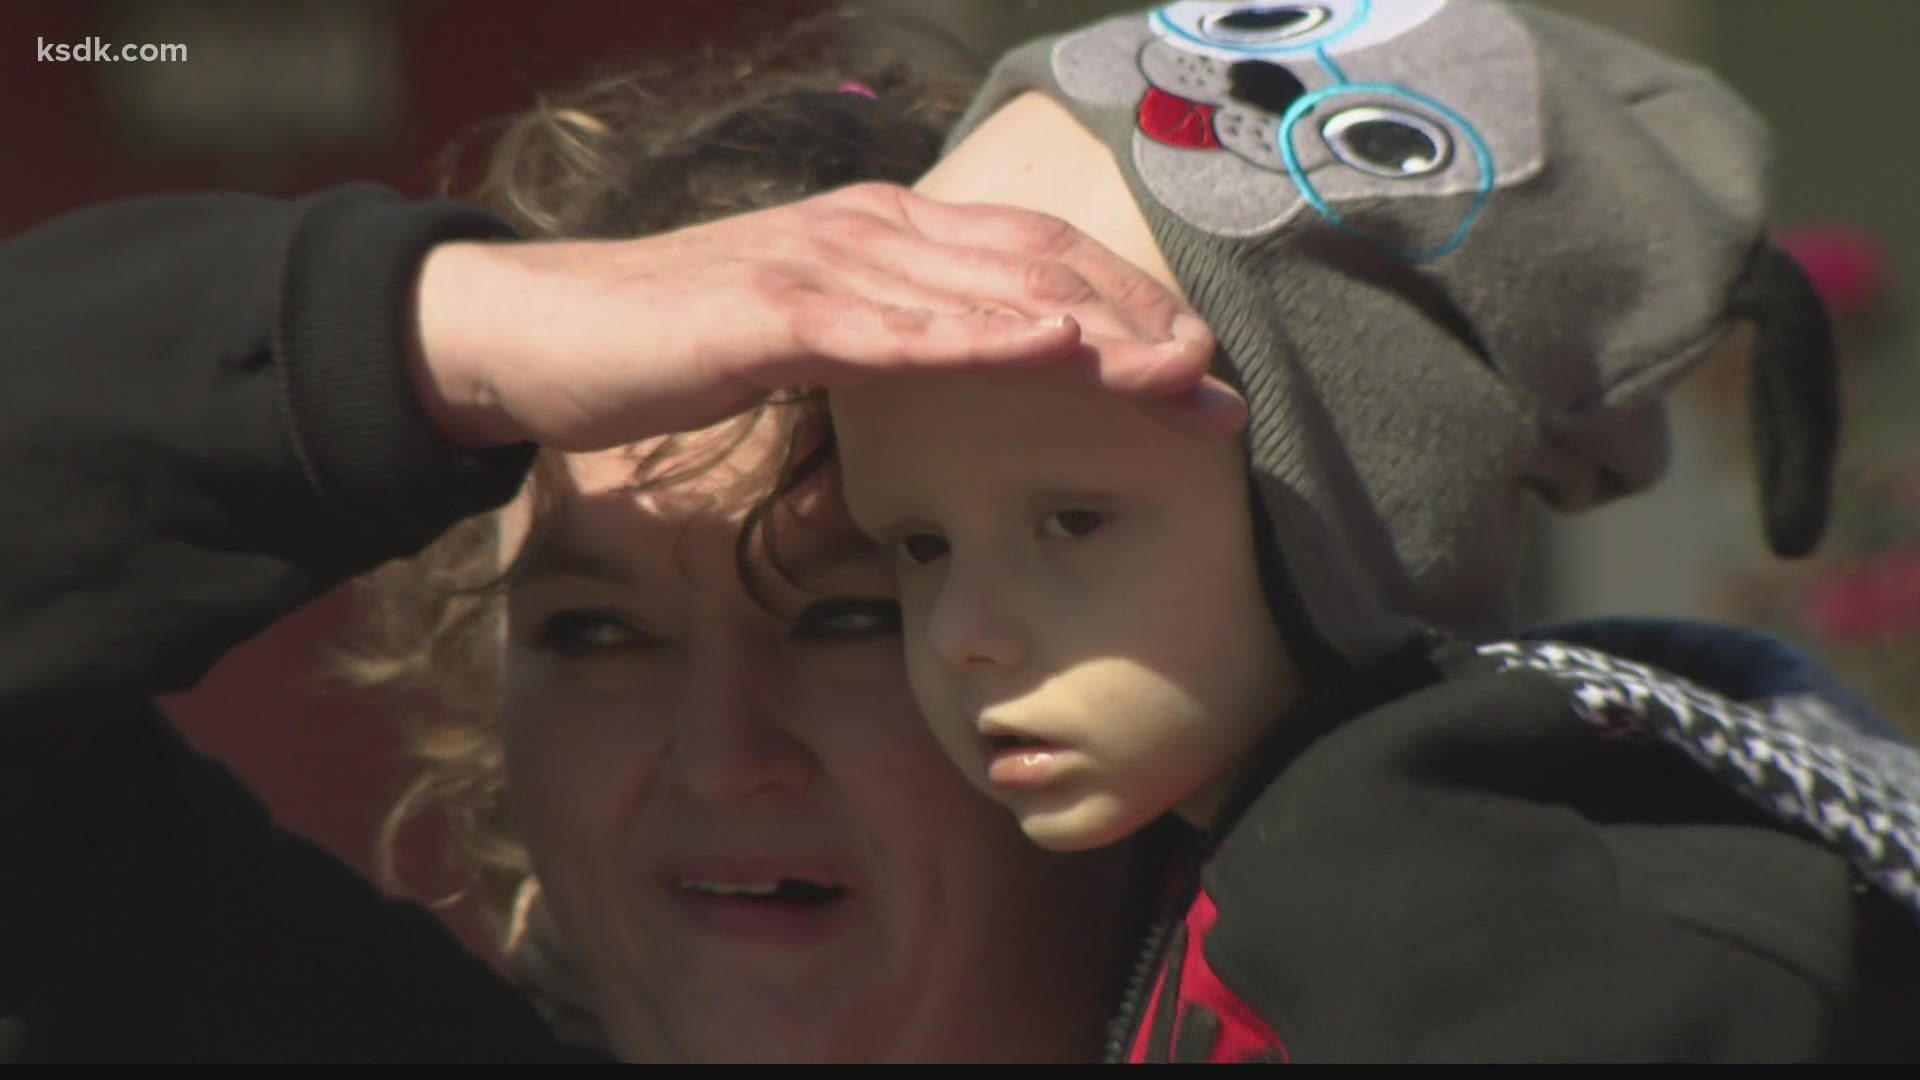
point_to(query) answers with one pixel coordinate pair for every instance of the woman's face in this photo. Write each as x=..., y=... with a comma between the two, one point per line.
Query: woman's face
x=740, y=821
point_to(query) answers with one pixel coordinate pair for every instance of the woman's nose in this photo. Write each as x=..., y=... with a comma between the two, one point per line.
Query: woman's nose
x=973, y=625
x=733, y=735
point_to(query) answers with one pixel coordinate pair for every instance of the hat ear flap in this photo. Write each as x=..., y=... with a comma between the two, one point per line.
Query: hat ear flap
x=1794, y=397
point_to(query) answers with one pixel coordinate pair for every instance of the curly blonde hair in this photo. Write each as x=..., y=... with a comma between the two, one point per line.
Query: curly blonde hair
x=815, y=108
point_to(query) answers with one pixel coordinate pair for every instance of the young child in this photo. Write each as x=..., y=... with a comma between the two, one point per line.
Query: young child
x=1454, y=252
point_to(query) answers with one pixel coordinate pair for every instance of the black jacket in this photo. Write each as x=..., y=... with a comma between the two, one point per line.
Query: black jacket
x=205, y=422
x=1540, y=851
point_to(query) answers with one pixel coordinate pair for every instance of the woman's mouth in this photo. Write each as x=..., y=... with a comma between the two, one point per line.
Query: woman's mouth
x=766, y=910
x=785, y=890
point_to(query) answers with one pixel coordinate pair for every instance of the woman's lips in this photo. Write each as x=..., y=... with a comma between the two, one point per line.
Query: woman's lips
x=773, y=907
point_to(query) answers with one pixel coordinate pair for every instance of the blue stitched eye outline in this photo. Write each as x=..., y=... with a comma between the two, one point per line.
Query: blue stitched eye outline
x=1330, y=29
x=1483, y=156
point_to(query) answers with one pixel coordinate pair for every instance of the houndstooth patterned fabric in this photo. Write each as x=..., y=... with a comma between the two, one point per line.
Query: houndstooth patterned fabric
x=1795, y=756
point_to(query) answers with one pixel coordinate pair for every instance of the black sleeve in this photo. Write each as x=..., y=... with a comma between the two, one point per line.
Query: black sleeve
x=205, y=421
x=1472, y=874
x=151, y=911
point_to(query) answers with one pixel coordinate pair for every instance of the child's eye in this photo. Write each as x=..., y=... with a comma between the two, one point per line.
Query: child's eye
x=1072, y=524
x=920, y=549
x=848, y=617
x=579, y=633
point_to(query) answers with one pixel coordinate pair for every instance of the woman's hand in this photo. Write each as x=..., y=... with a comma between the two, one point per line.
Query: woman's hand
x=591, y=344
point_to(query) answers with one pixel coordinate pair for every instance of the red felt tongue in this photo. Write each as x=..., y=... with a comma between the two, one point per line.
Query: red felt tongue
x=1177, y=121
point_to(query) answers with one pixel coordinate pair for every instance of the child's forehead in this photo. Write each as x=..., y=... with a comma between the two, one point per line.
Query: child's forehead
x=1003, y=450
x=920, y=410
x=935, y=435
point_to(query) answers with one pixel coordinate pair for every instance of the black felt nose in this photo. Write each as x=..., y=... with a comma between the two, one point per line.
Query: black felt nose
x=1264, y=86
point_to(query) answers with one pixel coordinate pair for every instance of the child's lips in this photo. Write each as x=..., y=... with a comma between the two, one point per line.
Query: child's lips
x=1021, y=762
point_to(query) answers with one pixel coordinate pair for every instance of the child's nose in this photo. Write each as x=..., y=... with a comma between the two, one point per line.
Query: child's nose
x=973, y=626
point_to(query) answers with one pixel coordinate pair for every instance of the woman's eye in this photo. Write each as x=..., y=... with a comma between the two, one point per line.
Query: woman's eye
x=1072, y=524
x=578, y=633
x=920, y=549
x=849, y=617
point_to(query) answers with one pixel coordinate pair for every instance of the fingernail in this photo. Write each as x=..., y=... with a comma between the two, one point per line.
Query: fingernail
x=1209, y=412
x=1190, y=328
x=1220, y=411
x=1185, y=350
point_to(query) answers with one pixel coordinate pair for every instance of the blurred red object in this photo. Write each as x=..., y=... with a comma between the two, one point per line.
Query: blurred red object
x=1849, y=267
x=1873, y=601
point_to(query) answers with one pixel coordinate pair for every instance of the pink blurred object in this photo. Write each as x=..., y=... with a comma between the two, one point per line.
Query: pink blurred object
x=1849, y=267
x=860, y=88
x=1878, y=600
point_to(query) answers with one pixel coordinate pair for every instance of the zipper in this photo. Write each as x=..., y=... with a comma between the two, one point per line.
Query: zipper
x=1140, y=986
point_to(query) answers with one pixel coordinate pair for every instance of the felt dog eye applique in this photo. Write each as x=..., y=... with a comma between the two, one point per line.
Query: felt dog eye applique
x=1388, y=143
x=1241, y=29
x=1392, y=120
x=1251, y=29
x=1263, y=25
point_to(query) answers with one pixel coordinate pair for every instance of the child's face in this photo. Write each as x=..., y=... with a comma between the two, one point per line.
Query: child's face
x=1084, y=624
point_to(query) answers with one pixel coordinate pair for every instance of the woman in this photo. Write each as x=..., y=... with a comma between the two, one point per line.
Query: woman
x=735, y=815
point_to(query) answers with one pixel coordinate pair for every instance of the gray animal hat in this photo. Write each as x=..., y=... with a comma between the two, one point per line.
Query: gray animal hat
x=1455, y=252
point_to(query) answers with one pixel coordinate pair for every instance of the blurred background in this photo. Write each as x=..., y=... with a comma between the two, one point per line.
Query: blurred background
x=295, y=95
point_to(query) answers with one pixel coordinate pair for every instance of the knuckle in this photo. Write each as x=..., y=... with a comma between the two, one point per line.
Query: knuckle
x=874, y=196
x=1144, y=301
x=1140, y=294
x=905, y=322
x=810, y=320
x=1046, y=236
x=813, y=247
x=1057, y=283
x=1032, y=233
x=856, y=230
x=776, y=285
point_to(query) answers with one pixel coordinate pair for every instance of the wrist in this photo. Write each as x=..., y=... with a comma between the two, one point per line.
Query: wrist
x=444, y=357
